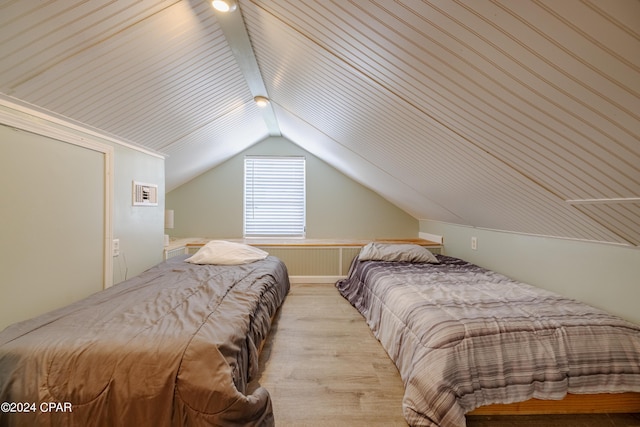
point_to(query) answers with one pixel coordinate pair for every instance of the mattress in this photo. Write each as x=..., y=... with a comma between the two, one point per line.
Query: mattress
x=463, y=337
x=174, y=346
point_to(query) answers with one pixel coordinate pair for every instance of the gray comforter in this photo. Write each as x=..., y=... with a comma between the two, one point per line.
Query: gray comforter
x=462, y=337
x=174, y=346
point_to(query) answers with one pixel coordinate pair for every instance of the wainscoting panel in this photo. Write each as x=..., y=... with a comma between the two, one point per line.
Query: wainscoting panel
x=309, y=261
x=348, y=254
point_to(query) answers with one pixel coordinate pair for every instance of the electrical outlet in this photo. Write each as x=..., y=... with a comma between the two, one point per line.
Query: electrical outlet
x=115, y=247
x=474, y=243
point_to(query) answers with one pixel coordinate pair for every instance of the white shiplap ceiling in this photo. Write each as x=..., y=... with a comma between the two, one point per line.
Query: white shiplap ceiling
x=486, y=113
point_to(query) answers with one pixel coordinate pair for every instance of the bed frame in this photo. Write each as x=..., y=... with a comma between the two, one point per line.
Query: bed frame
x=571, y=404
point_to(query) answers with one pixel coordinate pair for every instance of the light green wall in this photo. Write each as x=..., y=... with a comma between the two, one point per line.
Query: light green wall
x=337, y=207
x=139, y=228
x=602, y=275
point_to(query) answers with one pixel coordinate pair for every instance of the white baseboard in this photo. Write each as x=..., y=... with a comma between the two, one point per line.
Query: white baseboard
x=315, y=279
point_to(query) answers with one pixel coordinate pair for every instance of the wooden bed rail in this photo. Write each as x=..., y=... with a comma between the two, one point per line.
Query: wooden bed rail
x=571, y=404
x=200, y=241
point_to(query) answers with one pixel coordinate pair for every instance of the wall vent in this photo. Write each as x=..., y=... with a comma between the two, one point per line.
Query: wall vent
x=145, y=194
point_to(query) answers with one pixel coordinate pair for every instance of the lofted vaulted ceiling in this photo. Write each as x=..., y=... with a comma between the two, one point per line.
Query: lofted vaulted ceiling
x=512, y=115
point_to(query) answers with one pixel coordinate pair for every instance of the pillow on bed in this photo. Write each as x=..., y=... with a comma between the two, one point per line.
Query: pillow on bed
x=402, y=252
x=222, y=252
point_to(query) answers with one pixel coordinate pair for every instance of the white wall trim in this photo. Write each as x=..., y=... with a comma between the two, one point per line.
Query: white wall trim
x=38, y=113
x=25, y=121
x=624, y=245
x=612, y=201
x=431, y=237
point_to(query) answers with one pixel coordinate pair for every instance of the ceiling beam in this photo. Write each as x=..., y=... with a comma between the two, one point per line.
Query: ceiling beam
x=235, y=31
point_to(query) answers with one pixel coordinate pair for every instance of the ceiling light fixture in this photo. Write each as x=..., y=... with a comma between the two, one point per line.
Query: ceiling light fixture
x=261, y=101
x=224, y=5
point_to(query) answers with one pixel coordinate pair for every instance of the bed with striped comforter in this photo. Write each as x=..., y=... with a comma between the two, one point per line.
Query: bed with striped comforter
x=463, y=337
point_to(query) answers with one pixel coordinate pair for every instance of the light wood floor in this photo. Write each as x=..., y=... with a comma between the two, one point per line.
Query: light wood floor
x=323, y=367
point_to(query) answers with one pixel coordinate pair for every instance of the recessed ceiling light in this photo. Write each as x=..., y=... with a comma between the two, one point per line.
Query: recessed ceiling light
x=224, y=5
x=261, y=101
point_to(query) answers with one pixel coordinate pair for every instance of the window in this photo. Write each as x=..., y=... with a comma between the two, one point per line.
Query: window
x=274, y=196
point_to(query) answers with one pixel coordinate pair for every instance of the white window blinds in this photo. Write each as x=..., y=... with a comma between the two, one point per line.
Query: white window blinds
x=274, y=196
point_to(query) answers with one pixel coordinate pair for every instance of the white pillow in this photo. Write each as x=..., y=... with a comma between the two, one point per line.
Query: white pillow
x=401, y=252
x=222, y=252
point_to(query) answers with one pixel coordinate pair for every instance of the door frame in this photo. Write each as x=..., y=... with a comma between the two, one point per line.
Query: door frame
x=30, y=120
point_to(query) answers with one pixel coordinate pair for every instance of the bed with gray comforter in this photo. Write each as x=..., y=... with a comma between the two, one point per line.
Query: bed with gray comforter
x=463, y=337
x=174, y=346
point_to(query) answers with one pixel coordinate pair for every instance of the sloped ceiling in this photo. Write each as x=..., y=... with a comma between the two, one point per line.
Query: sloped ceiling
x=510, y=115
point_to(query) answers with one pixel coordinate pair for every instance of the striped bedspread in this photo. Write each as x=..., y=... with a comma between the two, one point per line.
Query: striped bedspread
x=463, y=337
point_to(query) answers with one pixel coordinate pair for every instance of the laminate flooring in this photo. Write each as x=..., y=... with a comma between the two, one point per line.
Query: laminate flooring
x=323, y=367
